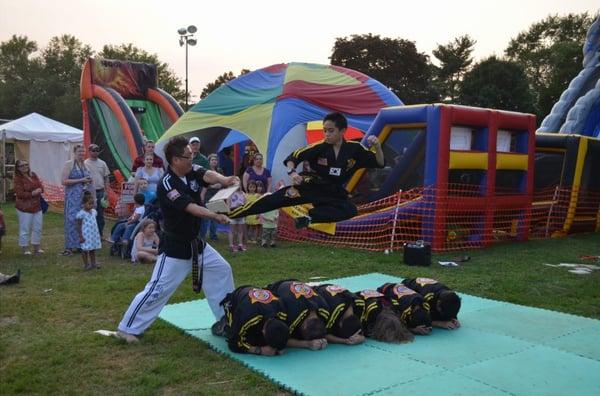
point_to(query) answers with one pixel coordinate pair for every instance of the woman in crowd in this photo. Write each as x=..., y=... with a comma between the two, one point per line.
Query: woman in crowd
x=257, y=172
x=28, y=191
x=76, y=179
x=150, y=173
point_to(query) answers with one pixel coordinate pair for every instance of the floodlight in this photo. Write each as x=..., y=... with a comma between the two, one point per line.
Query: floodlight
x=180, y=42
x=192, y=29
x=181, y=31
x=192, y=41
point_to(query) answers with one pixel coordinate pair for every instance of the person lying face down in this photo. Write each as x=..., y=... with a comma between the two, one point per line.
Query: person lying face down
x=379, y=321
x=255, y=322
x=442, y=303
x=345, y=309
x=409, y=305
x=306, y=314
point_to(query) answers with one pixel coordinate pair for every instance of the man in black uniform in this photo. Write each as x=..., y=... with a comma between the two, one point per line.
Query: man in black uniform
x=180, y=251
x=380, y=321
x=332, y=163
x=443, y=303
x=255, y=322
x=409, y=305
x=345, y=310
x=306, y=314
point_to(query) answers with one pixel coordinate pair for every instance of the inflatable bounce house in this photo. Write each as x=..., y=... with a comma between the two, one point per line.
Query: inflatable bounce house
x=122, y=105
x=567, y=170
x=276, y=107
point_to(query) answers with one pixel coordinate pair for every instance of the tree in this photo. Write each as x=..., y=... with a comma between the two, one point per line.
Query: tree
x=496, y=83
x=222, y=79
x=167, y=79
x=18, y=73
x=550, y=52
x=63, y=60
x=395, y=63
x=455, y=59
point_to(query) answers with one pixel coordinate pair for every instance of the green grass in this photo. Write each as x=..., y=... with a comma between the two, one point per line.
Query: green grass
x=47, y=344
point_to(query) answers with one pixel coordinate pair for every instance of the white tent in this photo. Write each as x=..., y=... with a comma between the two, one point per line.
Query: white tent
x=47, y=144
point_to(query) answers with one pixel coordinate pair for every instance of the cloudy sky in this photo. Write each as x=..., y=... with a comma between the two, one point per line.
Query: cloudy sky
x=237, y=34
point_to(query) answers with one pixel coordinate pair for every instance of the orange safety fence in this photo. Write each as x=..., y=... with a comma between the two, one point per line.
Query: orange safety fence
x=464, y=219
x=55, y=195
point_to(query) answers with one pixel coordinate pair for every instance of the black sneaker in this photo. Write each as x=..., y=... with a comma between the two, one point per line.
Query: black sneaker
x=302, y=222
x=218, y=328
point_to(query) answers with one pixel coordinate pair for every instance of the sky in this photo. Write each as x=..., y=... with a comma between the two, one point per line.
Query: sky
x=242, y=34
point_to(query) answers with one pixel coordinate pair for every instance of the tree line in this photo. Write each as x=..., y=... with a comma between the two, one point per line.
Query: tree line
x=535, y=68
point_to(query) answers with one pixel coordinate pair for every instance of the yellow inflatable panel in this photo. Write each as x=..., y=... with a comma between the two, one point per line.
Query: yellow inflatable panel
x=511, y=161
x=468, y=160
x=302, y=210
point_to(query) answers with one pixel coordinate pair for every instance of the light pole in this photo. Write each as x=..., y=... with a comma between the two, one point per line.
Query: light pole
x=185, y=37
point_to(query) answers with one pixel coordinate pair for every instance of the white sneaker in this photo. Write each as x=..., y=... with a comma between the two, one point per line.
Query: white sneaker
x=130, y=338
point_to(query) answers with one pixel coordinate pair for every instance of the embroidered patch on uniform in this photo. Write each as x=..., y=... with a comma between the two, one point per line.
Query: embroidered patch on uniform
x=370, y=294
x=400, y=290
x=426, y=281
x=261, y=296
x=335, y=171
x=350, y=164
x=194, y=185
x=322, y=161
x=301, y=290
x=173, y=195
x=334, y=289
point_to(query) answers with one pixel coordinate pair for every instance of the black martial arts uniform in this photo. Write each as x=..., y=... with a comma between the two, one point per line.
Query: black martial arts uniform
x=247, y=309
x=338, y=300
x=323, y=186
x=374, y=302
x=430, y=289
x=402, y=299
x=298, y=300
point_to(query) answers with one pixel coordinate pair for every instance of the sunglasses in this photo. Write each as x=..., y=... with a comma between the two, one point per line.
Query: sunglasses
x=95, y=150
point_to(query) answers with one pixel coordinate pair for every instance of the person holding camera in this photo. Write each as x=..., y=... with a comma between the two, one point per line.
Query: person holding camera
x=76, y=178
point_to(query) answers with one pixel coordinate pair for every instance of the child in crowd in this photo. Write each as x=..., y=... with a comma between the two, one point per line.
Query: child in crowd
x=442, y=302
x=145, y=243
x=237, y=230
x=123, y=230
x=142, y=188
x=252, y=221
x=269, y=227
x=89, y=235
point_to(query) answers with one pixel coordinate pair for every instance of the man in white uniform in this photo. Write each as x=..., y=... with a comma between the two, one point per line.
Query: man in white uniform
x=180, y=250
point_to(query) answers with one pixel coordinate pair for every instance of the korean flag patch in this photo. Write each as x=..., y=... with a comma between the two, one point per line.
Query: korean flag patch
x=335, y=171
x=173, y=195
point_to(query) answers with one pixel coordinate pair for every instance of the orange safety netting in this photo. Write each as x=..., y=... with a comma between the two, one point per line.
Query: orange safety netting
x=462, y=219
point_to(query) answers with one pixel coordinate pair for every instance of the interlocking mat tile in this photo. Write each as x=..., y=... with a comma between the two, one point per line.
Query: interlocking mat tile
x=501, y=349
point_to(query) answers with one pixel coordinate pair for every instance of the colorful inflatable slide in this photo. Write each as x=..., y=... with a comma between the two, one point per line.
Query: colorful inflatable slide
x=122, y=105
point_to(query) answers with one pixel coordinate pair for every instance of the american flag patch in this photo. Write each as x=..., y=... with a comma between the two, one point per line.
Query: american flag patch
x=173, y=195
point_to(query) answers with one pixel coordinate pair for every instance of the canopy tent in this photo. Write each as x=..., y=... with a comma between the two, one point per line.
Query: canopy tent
x=268, y=104
x=44, y=142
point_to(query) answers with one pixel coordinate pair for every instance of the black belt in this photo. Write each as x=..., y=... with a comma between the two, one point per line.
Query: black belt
x=197, y=266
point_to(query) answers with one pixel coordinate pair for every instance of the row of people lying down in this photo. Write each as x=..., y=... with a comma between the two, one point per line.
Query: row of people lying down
x=293, y=314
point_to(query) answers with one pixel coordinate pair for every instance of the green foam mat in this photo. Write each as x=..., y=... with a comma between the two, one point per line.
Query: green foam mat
x=501, y=349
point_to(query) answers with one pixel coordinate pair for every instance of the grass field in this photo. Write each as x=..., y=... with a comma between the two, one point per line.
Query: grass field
x=47, y=344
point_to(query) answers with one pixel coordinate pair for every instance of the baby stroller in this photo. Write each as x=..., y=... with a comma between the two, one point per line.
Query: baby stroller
x=151, y=211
